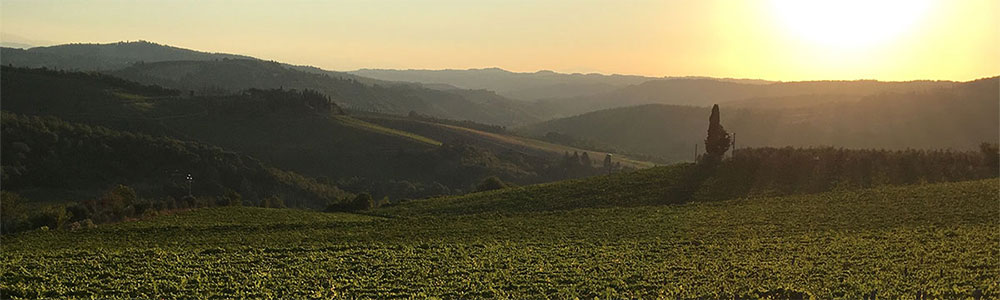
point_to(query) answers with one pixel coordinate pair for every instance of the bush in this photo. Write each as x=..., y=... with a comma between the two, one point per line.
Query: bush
x=491, y=183
x=78, y=212
x=49, y=216
x=230, y=198
x=363, y=201
x=12, y=215
x=991, y=157
x=273, y=201
x=116, y=199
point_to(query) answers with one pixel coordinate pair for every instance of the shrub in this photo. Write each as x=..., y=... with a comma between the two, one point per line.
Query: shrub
x=78, y=212
x=273, y=201
x=363, y=201
x=491, y=183
x=12, y=214
x=117, y=199
x=49, y=216
x=230, y=198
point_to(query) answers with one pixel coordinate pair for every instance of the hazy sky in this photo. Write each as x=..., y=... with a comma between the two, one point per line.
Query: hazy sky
x=769, y=39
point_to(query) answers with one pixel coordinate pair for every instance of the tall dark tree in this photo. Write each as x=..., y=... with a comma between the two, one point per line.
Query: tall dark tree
x=718, y=140
x=607, y=163
x=585, y=160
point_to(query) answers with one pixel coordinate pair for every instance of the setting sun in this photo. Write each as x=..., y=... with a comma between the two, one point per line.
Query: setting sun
x=498, y=149
x=850, y=23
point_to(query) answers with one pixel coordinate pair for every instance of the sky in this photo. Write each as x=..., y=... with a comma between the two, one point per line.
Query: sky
x=766, y=39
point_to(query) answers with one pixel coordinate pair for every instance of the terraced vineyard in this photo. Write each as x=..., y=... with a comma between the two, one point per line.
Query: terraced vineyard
x=938, y=240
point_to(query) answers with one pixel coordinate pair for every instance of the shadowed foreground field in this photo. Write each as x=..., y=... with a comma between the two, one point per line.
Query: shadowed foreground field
x=939, y=239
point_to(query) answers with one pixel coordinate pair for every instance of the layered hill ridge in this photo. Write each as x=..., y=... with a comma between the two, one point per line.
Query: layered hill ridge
x=298, y=130
x=706, y=91
x=50, y=158
x=952, y=116
x=192, y=70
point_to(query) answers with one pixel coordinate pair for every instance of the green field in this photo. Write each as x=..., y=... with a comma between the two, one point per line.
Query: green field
x=936, y=239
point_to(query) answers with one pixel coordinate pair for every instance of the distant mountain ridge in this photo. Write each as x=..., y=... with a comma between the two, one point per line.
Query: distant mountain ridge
x=705, y=92
x=945, y=115
x=191, y=70
x=542, y=84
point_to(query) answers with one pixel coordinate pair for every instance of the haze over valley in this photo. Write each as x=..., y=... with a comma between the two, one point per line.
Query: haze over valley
x=466, y=150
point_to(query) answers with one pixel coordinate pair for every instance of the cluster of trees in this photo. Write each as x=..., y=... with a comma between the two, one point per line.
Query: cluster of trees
x=585, y=143
x=269, y=101
x=581, y=165
x=104, y=79
x=119, y=202
x=392, y=189
x=788, y=170
x=778, y=171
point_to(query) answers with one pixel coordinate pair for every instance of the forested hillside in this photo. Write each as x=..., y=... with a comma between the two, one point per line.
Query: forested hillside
x=299, y=130
x=223, y=76
x=957, y=117
x=98, y=174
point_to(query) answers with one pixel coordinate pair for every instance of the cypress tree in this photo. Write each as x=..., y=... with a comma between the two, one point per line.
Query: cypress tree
x=718, y=140
x=607, y=162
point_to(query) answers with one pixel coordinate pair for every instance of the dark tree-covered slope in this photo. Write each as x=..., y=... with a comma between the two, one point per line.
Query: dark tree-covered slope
x=46, y=153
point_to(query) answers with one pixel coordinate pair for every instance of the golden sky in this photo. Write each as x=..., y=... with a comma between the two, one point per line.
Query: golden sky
x=767, y=39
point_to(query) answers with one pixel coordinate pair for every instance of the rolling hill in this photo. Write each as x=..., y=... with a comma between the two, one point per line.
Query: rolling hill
x=103, y=57
x=116, y=56
x=494, y=141
x=203, y=72
x=290, y=129
x=958, y=116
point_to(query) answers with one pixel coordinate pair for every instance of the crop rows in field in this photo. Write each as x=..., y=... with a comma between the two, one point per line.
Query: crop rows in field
x=897, y=242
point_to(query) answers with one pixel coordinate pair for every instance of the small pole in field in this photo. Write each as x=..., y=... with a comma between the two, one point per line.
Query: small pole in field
x=695, y=152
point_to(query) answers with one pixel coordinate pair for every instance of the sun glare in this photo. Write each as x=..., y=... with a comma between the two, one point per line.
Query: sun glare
x=849, y=23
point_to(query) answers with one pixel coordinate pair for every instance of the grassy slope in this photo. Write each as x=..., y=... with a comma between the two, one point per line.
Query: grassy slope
x=940, y=239
x=356, y=123
x=496, y=141
x=643, y=187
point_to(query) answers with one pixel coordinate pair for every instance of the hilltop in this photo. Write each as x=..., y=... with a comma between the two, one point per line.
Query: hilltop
x=96, y=57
